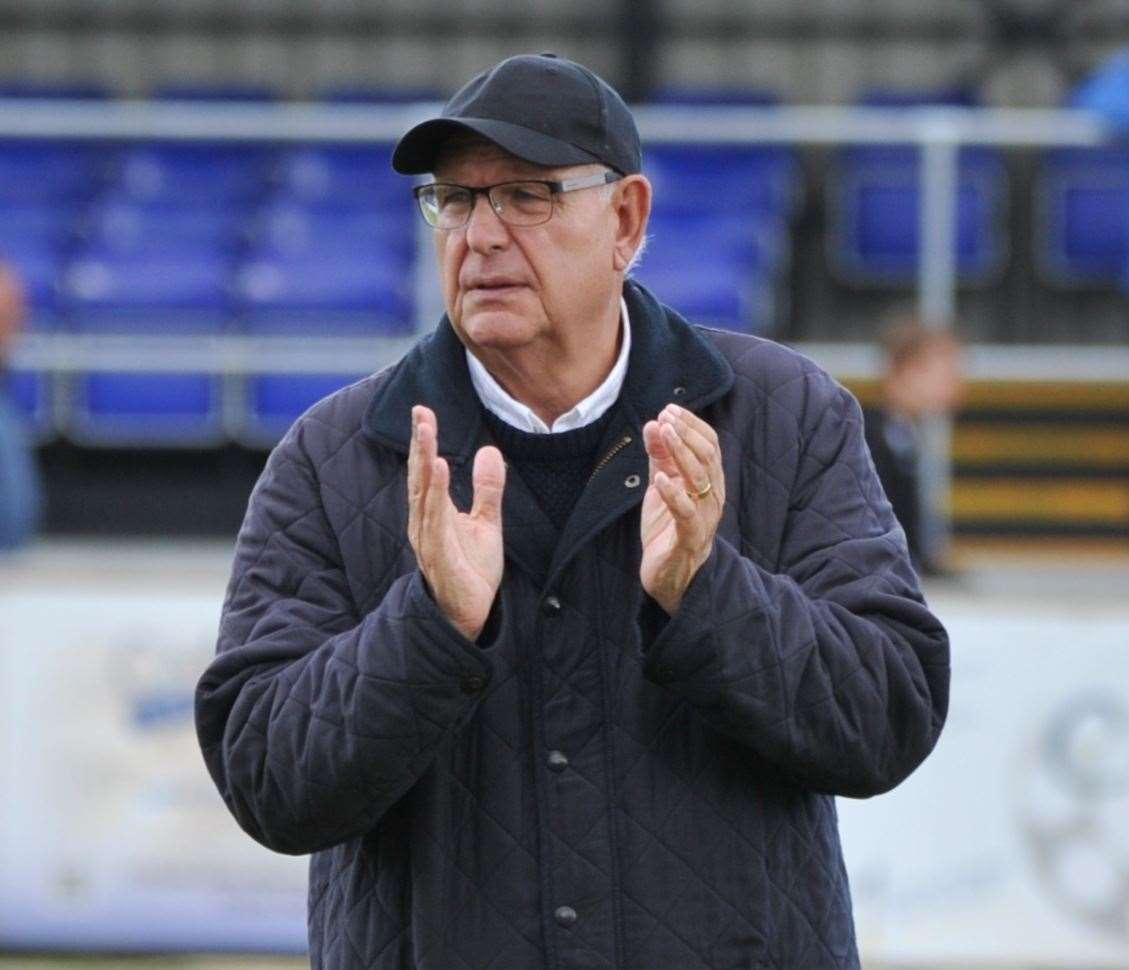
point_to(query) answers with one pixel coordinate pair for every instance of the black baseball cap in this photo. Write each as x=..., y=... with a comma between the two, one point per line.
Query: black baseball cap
x=540, y=107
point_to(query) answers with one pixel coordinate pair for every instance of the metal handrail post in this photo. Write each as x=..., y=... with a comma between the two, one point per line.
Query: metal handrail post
x=937, y=299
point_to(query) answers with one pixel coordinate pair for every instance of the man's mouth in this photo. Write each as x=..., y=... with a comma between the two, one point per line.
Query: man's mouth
x=495, y=287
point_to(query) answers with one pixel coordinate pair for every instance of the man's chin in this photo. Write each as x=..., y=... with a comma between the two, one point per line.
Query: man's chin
x=499, y=329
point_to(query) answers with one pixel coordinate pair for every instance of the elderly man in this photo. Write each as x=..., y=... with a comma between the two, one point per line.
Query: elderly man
x=554, y=641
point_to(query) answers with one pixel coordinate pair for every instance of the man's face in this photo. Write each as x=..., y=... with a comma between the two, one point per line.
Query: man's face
x=510, y=287
x=939, y=375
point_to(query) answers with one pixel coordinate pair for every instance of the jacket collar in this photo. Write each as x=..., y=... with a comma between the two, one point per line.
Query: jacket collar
x=670, y=361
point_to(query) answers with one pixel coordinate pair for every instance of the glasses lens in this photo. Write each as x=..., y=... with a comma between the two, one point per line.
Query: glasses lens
x=444, y=206
x=522, y=203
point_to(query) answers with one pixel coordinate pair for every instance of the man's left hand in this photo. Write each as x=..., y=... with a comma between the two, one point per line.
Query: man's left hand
x=683, y=504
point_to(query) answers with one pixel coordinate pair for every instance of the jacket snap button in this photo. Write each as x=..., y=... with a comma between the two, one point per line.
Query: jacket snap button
x=472, y=683
x=557, y=760
x=631, y=481
x=551, y=606
x=565, y=915
x=679, y=391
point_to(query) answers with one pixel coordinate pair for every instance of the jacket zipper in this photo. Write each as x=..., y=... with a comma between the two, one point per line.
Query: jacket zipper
x=616, y=449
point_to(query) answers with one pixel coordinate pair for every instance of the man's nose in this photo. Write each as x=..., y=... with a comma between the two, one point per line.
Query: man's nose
x=485, y=229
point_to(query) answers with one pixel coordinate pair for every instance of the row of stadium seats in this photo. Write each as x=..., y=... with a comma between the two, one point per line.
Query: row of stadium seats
x=330, y=229
x=240, y=223
x=169, y=410
x=182, y=239
x=1081, y=205
x=204, y=239
x=173, y=236
x=207, y=239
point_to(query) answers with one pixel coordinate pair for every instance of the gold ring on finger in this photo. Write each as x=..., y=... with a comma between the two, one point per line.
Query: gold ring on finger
x=701, y=493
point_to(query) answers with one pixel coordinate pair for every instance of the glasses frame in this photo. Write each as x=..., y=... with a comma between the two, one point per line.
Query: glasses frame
x=556, y=187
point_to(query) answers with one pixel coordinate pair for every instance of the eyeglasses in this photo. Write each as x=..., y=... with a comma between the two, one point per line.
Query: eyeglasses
x=528, y=203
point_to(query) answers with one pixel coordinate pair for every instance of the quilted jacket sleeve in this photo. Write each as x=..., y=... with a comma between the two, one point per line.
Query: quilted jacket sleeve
x=313, y=720
x=832, y=668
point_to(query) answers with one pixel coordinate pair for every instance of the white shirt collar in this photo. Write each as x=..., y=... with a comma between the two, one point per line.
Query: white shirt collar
x=495, y=398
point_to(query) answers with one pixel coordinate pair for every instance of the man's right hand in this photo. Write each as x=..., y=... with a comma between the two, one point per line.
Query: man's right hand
x=459, y=553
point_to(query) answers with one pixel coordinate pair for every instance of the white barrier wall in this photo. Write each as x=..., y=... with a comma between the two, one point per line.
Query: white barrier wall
x=1010, y=844
x=111, y=833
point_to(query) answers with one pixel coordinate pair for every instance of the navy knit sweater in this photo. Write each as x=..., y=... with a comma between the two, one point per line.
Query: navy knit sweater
x=554, y=466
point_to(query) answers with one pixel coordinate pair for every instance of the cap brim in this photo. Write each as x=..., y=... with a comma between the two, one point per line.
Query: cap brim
x=417, y=150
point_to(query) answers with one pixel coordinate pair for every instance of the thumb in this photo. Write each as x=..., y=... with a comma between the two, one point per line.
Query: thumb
x=489, y=476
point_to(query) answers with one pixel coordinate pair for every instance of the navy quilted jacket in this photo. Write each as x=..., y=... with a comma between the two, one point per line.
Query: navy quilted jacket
x=595, y=786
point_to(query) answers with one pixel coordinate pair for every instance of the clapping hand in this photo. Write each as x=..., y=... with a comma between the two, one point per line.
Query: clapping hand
x=683, y=504
x=459, y=553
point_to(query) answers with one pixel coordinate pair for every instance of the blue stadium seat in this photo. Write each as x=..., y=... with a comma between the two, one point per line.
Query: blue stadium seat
x=724, y=209
x=326, y=292
x=770, y=172
x=737, y=261
x=39, y=226
x=290, y=229
x=874, y=200
x=146, y=409
x=272, y=402
x=149, y=295
x=155, y=289
x=39, y=269
x=1082, y=216
x=195, y=174
x=342, y=291
x=759, y=240
x=50, y=172
x=874, y=237
x=727, y=296
x=332, y=252
x=343, y=176
x=736, y=265
x=692, y=178
x=122, y=227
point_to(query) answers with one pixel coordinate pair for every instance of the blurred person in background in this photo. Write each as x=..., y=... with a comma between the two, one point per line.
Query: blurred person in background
x=922, y=379
x=554, y=640
x=19, y=487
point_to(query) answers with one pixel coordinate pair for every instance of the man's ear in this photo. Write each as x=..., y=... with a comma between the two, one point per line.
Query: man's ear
x=632, y=204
